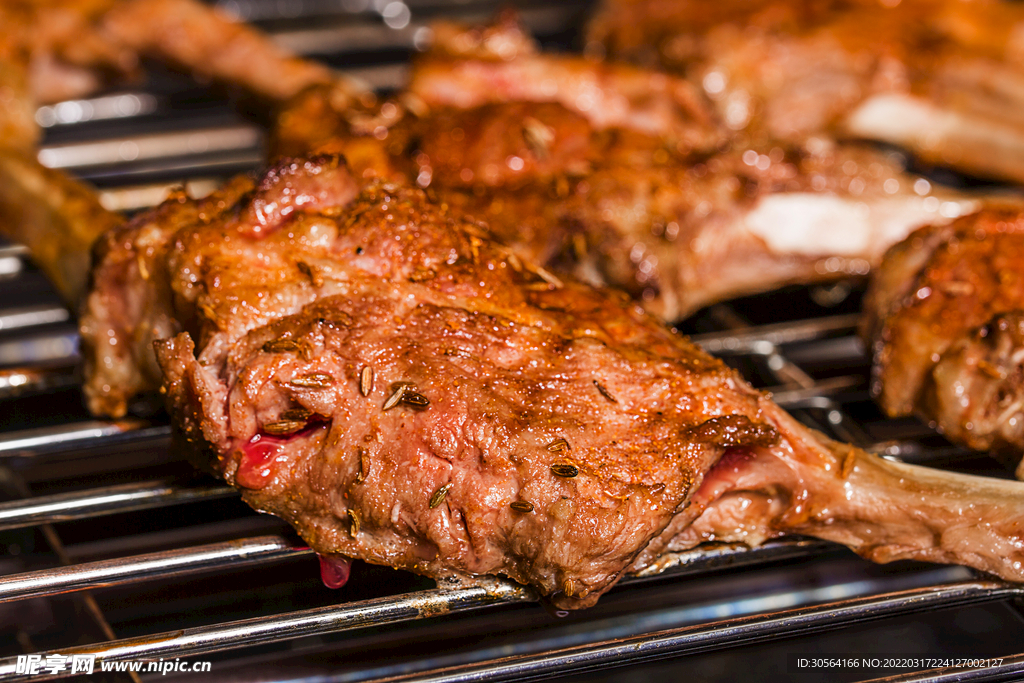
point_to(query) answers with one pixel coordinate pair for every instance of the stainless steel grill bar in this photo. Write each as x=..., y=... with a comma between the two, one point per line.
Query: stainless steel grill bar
x=317, y=621
x=41, y=348
x=103, y=501
x=804, y=391
x=116, y=106
x=82, y=155
x=707, y=558
x=705, y=637
x=359, y=35
x=816, y=396
x=173, y=563
x=14, y=251
x=18, y=318
x=167, y=564
x=269, y=10
x=11, y=258
x=93, y=433
x=261, y=10
x=10, y=266
x=18, y=381
x=751, y=339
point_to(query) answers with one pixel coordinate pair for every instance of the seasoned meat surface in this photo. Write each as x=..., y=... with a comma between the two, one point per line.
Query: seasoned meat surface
x=943, y=316
x=472, y=66
x=370, y=365
x=132, y=303
x=377, y=371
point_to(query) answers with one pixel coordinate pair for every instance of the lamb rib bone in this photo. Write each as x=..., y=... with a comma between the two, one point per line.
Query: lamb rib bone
x=963, y=140
x=883, y=510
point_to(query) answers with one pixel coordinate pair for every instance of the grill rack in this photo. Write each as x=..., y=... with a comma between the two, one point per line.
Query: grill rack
x=38, y=355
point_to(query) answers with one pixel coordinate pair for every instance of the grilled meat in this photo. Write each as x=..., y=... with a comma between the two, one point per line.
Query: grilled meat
x=678, y=236
x=384, y=376
x=378, y=371
x=613, y=195
x=609, y=163
x=943, y=317
x=375, y=369
x=942, y=78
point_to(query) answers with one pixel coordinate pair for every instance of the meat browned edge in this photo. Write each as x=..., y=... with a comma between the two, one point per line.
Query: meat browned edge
x=545, y=431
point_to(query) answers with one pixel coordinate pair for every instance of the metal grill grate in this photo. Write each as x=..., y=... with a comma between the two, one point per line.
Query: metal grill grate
x=115, y=547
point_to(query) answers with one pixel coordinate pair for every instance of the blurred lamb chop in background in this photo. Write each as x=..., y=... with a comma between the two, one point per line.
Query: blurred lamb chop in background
x=620, y=174
x=60, y=49
x=944, y=317
x=942, y=78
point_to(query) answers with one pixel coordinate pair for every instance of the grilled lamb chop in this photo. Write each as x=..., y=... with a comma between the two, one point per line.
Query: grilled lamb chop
x=375, y=369
x=944, y=318
x=942, y=78
x=622, y=200
x=610, y=192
